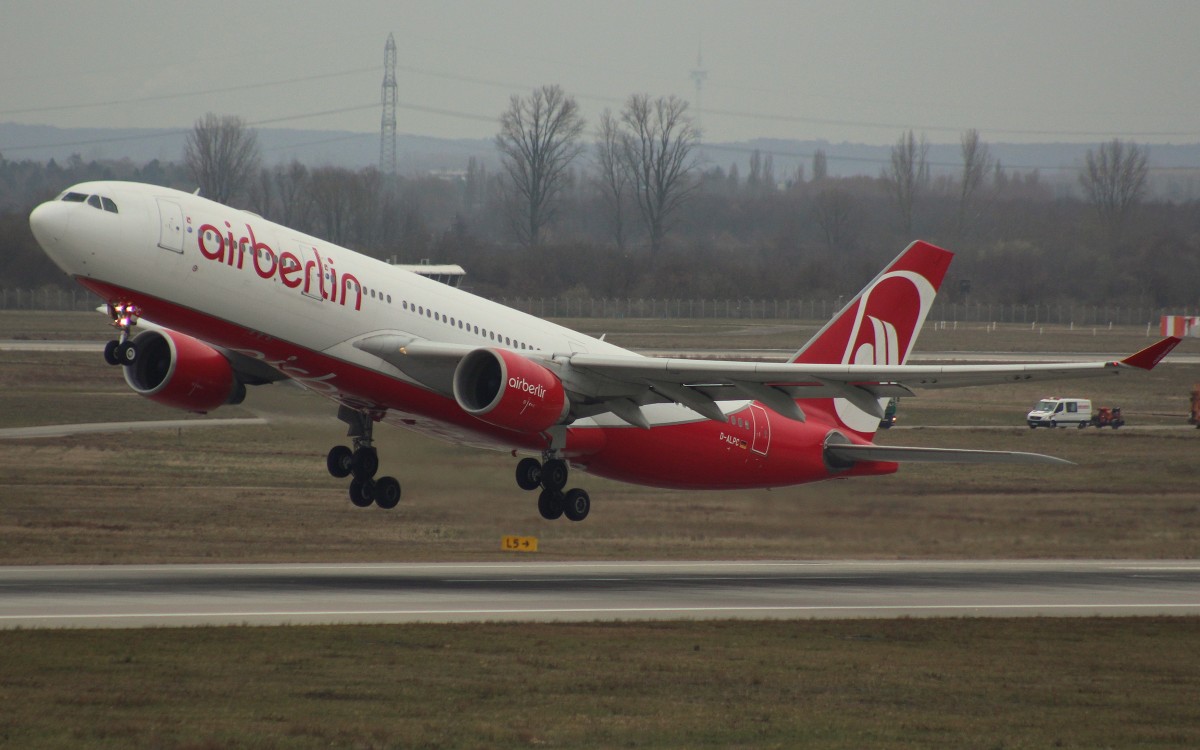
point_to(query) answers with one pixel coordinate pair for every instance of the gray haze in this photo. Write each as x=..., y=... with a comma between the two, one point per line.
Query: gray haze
x=1019, y=71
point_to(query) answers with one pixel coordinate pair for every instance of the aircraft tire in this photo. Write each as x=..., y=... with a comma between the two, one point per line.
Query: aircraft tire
x=127, y=352
x=550, y=504
x=110, y=352
x=362, y=492
x=529, y=474
x=365, y=463
x=554, y=475
x=339, y=461
x=387, y=493
x=577, y=504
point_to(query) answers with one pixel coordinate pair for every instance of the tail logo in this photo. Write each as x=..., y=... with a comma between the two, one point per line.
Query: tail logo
x=888, y=317
x=884, y=349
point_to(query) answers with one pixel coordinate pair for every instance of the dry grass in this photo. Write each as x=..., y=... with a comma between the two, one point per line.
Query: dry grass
x=881, y=684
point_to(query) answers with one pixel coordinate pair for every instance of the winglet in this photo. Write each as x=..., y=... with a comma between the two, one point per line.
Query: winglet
x=1147, y=358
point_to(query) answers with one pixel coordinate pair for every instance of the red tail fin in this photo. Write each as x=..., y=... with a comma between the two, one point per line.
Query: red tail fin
x=878, y=327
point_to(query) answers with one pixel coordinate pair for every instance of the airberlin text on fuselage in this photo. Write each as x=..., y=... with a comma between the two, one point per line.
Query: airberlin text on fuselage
x=223, y=248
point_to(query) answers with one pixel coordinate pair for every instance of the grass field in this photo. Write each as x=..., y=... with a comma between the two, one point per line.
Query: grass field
x=870, y=684
x=260, y=493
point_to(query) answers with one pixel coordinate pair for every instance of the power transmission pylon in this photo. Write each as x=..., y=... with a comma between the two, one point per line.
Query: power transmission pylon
x=699, y=75
x=387, y=130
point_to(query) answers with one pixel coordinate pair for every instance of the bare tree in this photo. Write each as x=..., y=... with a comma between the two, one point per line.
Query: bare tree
x=614, y=178
x=657, y=144
x=820, y=165
x=907, y=175
x=334, y=193
x=222, y=155
x=295, y=198
x=538, y=138
x=977, y=162
x=834, y=208
x=1114, y=181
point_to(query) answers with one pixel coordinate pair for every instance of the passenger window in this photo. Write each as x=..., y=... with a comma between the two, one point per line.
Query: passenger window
x=109, y=205
x=94, y=201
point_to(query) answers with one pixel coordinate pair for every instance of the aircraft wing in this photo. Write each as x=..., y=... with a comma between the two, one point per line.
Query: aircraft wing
x=620, y=383
x=695, y=383
x=430, y=363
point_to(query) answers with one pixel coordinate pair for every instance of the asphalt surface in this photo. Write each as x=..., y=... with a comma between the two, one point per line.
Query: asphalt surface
x=185, y=595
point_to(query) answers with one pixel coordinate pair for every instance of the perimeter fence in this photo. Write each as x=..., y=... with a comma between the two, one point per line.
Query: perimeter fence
x=1051, y=313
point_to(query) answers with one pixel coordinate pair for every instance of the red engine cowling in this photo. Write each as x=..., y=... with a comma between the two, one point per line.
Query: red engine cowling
x=508, y=390
x=180, y=371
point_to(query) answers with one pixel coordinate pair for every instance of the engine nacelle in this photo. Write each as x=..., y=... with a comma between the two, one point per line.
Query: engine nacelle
x=180, y=371
x=508, y=390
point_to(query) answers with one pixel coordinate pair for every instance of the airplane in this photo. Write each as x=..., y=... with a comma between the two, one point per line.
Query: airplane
x=210, y=299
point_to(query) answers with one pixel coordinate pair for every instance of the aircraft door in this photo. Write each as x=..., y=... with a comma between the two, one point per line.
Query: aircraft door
x=761, y=424
x=170, y=230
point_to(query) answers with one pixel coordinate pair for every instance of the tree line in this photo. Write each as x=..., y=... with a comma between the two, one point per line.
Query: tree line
x=636, y=206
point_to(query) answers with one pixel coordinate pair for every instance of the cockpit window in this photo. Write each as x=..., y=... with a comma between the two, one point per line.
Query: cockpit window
x=74, y=197
x=93, y=201
x=109, y=205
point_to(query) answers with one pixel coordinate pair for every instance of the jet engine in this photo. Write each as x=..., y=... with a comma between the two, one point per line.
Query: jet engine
x=508, y=390
x=180, y=371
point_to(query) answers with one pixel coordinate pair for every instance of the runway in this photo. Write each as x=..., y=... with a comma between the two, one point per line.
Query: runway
x=186, y=595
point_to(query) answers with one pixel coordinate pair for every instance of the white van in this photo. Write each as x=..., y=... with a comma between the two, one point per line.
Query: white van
x=1060, y=412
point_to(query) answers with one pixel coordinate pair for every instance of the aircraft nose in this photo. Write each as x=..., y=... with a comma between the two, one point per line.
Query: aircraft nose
x=49, y=223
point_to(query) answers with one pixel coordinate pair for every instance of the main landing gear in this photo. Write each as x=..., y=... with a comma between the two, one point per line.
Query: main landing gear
x=362, y=462
x=551, y=477
x=124, y=317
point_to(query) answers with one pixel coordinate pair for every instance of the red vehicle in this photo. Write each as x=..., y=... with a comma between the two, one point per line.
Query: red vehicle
x=1107, y=416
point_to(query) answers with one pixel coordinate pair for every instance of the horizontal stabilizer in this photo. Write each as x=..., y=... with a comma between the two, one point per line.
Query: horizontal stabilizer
x=846, y=452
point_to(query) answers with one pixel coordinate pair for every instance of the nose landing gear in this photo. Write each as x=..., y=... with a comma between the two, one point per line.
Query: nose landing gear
x=551, y=477
x=124, y=317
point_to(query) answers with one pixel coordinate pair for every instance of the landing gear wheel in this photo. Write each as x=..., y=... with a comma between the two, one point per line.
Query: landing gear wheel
x=110, y=352
x=362, y=492
x=554, y=474
x=550, y=504
x=387, y=493
x=365, y=463
x=339, y=461
x=576, y=504
x=529, y=474
x=126, y=353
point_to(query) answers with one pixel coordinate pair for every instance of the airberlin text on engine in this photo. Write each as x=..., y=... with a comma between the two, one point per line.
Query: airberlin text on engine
x=316, y=274
x=524, y=386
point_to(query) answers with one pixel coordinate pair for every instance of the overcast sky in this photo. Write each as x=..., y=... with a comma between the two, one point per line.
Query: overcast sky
x=1021, y=70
